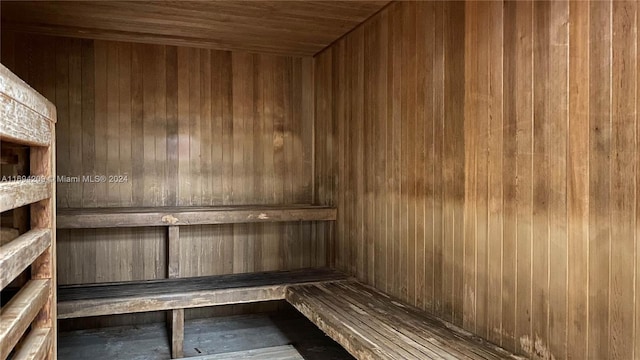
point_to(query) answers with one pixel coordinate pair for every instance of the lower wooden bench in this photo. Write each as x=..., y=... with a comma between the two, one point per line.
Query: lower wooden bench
x=371, y=325
x=177, y=294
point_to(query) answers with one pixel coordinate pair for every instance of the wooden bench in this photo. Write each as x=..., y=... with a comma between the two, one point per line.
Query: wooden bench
x=85, y=300
x=176, y=293
x=371, y=325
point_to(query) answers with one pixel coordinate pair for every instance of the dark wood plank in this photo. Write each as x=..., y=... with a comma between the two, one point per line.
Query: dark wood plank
x=165, y=294
x=168, y=216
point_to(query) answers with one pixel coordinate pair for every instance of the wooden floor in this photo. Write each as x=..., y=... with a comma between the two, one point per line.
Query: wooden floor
x=203, y=337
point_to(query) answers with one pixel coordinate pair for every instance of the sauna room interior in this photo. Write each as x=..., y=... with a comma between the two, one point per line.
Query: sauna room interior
x=320, y=180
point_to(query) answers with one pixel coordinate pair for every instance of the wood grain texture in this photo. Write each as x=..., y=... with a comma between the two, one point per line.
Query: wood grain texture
x=166, y=294
x=372, y=325
x=14, y=194
x=15, y=88
x=17, y=315
x=36, y=345
x=21, y=124
x=294, y=28
x=540, y=162
x=177, y=333
x=172, y=216
x=18, y=254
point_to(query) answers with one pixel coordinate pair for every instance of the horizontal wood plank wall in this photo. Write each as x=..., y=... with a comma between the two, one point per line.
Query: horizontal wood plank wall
x=484, y=157
x=187, y=127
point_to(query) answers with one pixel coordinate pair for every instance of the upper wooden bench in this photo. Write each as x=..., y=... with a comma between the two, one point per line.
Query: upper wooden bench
x=372, y=325
x=176, y=216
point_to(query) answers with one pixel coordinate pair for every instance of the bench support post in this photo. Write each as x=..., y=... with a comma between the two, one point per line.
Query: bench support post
x=176, y=322
x=175, y=318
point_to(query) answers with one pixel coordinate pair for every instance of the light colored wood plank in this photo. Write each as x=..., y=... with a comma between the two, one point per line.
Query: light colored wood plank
x=623, y=147
x=36, y=346
x=558, y=94
x=599, y=177
x=578, y=182
x=18, y=254
x=17, y=315
x=14, y=194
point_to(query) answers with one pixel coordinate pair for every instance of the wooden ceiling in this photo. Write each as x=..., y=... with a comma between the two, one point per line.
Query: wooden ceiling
x=282, y=27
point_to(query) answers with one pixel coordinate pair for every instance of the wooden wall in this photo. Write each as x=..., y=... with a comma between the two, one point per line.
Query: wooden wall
x=187, y=127
x=484, y=158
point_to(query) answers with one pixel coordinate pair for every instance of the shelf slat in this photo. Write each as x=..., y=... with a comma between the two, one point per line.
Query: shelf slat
x=18, y=254
x=14, y=194
x=137, y=217
x=19, y=313
x=36, y=346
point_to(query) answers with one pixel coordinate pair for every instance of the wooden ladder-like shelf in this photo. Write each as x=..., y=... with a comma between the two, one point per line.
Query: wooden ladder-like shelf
x=28, y=321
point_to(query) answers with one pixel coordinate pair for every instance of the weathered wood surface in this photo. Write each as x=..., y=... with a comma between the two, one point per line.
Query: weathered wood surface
x=17, y=315
x=43, y=164
x=17, y=255
x=15, y=88
x=36, y=346
x=177, y=333
x=21, y=124
x=14, y=194
x=140, y=217
x=166, y=294
x=372, y=325
x=284, y=352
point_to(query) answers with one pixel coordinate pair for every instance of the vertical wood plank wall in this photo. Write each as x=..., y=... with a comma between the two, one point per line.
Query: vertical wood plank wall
x=187, y=127
x=484, y=158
